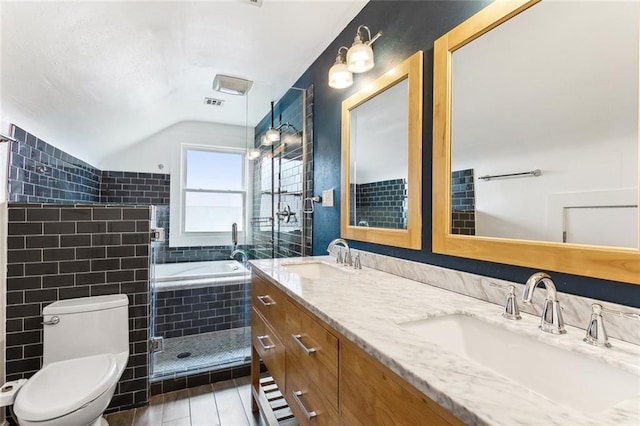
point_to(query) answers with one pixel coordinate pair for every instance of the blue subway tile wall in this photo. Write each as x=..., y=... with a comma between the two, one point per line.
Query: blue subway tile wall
x=134, y=188
x=57, y=252
x=284, y=176
x=42, y=173
x=382, y=204
x=463, y=202
x=185, y=312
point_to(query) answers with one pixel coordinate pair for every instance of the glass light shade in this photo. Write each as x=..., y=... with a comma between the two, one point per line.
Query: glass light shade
x=273, y=135
x=360, y=57
x=264, y=141
x=253, y=153
x=339, y=76
x=292, y=138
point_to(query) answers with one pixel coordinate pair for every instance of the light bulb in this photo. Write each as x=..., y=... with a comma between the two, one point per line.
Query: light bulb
x=359, y=57
x=339, y=76
x=253, y=153
x=273, y=135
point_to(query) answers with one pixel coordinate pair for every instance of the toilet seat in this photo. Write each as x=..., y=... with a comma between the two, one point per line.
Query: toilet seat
x=63, y=387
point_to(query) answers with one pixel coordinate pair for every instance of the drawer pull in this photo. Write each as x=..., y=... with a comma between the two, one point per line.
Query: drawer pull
x=265, y=347
x=298, y=340
x=308, y=414
x=262, y=300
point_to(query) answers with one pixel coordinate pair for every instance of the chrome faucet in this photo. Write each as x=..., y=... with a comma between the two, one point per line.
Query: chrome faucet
x=347, y=256
x=244, y=256
x=551, y=319
x=596, y=334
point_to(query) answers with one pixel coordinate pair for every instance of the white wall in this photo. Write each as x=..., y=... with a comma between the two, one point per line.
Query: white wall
x=528, y=207
x=160, y=148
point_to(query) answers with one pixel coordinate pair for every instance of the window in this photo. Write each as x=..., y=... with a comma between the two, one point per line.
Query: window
x=212, y=196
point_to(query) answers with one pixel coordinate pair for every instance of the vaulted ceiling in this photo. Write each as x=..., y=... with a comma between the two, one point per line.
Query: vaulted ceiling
x=95, y=77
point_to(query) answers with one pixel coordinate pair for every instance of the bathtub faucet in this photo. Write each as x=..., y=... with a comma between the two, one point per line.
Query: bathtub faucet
x=234, y=235
x=244, y=256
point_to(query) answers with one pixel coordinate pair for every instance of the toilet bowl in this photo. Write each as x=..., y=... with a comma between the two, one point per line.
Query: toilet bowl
x=85, y=354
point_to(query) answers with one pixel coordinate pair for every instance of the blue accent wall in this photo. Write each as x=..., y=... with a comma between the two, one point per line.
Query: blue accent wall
x=410, y=26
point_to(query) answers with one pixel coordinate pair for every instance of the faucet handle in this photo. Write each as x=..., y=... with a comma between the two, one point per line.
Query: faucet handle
x=596, y=333
x=339, y=256
x=511, y=310
x=347, y=258
x=356, y=262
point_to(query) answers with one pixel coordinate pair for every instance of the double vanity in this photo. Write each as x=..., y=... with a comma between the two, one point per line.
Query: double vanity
x=363, y=346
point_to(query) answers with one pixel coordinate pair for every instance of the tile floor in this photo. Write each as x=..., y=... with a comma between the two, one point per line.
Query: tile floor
x=221, y=404
x=220, y=349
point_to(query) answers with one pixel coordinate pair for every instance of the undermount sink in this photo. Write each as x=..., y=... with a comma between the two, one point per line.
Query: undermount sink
x=317, y=270
x=562, y=376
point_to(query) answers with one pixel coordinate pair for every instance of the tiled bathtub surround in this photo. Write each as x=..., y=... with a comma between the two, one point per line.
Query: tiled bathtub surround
x=41, y=173
x=576, y=309
x=66, y=251
x=202, y=310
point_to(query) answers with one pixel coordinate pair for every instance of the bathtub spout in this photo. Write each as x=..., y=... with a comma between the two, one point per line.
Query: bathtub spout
x=244, y=256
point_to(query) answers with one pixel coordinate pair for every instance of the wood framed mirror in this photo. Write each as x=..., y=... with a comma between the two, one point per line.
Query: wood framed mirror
x=535, y=144
x=382, y=159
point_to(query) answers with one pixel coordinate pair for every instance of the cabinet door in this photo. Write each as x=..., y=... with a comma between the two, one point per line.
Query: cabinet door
x=371, y=394
x=315, y=350
x=270, y=302
x=305, y=399
x=269, y=347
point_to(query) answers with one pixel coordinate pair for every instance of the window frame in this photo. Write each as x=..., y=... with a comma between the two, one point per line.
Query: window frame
x=178, y=236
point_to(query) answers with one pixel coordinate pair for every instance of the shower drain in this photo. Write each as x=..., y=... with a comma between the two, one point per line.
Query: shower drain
x=184, y=355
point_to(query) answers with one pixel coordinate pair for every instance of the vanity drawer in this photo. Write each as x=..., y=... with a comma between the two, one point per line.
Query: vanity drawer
x=270, y=302
x=315, y=350
x=269, y=347
x=307, y=402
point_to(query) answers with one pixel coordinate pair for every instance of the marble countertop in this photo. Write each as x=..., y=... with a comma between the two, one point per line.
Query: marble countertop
x=367, y=305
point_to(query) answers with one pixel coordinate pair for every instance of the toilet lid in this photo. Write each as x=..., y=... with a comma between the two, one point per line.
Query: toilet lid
x=62, y=387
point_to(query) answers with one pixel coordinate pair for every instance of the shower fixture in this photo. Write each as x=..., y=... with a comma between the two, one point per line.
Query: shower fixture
x=231, y=85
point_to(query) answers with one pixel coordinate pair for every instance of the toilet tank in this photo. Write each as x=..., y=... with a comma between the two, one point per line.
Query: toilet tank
x=87, y=326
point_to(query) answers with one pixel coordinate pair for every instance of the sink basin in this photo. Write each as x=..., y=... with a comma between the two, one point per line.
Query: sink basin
x=317, y=270
x=560, y=375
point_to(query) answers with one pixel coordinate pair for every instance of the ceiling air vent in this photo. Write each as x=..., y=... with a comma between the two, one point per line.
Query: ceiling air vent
x=252, y=2
x=213, y=102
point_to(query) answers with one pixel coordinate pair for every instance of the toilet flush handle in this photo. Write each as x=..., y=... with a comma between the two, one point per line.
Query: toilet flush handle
x=52, y=321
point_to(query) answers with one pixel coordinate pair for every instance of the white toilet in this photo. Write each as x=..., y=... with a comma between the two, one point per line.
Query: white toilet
x=86, y=347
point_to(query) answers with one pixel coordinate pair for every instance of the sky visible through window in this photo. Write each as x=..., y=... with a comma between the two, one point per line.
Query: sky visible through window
x=213, y=211
x=214, y=170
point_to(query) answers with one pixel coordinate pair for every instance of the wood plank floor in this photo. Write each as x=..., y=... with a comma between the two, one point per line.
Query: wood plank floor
x=221, y=404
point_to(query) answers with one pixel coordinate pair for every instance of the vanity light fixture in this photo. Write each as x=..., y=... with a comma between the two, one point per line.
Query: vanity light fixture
x=272, y=135
x=339, y=75
x=253, y=153
x=360, y=54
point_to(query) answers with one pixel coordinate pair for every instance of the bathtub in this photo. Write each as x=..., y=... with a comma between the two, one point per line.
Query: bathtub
x=177, y=276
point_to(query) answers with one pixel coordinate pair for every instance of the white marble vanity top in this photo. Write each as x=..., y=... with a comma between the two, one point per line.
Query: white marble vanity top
x=367, y=305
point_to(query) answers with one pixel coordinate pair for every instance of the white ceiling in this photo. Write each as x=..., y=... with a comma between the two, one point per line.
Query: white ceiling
x=95, y=77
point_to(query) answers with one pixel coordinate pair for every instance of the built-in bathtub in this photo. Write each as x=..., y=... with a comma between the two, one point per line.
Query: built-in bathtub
x=179, y=276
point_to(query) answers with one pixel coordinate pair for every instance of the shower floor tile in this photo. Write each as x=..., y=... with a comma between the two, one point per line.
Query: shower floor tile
x=208, y=351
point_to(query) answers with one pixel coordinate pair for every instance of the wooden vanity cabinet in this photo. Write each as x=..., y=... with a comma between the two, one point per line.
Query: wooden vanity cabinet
x=326, y=379
x=371, y=394
x=312, y=369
